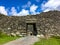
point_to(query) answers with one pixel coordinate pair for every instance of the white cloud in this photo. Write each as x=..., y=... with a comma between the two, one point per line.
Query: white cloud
x=23, y=12
x=37, y=0
x=33, y=9
x=13, y=11
x=46, y=10
x=51, y=5
x=3, y=10
x=27, y=5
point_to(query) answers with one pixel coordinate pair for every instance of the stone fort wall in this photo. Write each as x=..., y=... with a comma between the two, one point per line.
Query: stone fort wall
x=48, y=22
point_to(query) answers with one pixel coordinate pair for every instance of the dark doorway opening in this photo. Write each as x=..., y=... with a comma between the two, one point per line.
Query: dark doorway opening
x=31, y=29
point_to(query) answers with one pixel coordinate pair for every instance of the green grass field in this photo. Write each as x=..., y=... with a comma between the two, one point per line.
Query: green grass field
x=5, y=38
x=50, y=41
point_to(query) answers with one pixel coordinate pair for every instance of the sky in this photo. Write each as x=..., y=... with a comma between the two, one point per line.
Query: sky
x=27, y=7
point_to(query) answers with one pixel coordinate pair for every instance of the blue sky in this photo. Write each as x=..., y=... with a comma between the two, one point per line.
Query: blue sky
x=27, y=7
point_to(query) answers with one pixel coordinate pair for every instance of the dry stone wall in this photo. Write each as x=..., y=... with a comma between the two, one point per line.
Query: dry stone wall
x=46, y=23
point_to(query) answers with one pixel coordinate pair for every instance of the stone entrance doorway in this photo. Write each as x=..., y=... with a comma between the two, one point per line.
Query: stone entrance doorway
x=31, y=29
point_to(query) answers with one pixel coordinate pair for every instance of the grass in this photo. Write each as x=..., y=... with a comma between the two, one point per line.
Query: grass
x=4, y=39
x=51, y=41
